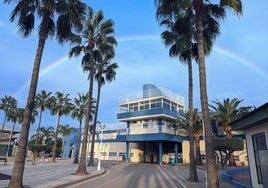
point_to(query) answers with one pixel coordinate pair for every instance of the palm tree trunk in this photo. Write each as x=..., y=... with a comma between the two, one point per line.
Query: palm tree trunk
x=16, y=180
x=229, y=135
x=193, y=173
x=62, y=146
x=82, y=165
x=197, y=150
x=38, y=127
x=212, y=173
x=91, y=161
x=10, y=138
x=78, y=143
x=3, y=126
x=56, y=139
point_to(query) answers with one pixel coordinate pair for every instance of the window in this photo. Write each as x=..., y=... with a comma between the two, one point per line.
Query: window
x=259, y=143
x=121, y=154
x=236, y=158
x=133, y=107
x=166, y=104
x=112, y=154
x=156, y=103
x=144, y=105
x=103, y=154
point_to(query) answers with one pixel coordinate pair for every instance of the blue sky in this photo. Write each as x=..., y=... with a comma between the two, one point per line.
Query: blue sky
x=237, y=66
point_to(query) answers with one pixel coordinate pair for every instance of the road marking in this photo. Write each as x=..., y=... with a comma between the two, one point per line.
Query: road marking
x=175, y=179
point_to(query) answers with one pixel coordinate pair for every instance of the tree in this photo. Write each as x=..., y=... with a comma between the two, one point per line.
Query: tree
x=43, y=101
x=105, y=71
x=60, y=105
x=46, y=136
x=98, y=38
x=15, y=116
x=7, y=104
x=226, y=147
x=200, y=24
x=227, y=111
x=57, y=18
x=183, y=122
x=79, y=113
x=181, y=36
x=64, y=130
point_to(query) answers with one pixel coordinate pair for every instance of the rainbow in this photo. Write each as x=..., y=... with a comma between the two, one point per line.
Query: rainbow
x=217, y=49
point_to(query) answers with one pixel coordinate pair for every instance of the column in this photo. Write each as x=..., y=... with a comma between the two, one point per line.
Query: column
x=127, y=152
x=160, y=152
x=176, y=153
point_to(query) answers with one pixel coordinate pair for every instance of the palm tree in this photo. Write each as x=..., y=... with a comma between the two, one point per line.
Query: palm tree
x=15, y=116
x=57, y=18
x=105, y=71
x=64, y=130
x=200, y=23
x=60, y=105
x=42, y=101
x=79, y=113
x=98, y=38
x=181, y=36
x=7, y=104
x=183, y=122
x=226, y=112
x=45, y=137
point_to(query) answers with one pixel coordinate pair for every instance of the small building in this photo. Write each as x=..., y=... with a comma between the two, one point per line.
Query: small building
x=7, y=139
x=255, y=127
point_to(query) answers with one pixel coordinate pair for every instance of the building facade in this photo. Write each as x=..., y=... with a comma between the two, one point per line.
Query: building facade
x=255, y=126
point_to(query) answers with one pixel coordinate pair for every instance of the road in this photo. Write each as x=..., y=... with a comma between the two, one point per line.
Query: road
x=127, y=175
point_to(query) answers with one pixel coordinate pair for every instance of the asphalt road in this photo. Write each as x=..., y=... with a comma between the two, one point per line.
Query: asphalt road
x=127, y=175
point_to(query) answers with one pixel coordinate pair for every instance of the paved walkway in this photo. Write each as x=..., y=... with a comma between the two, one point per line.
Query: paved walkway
x=59, y=175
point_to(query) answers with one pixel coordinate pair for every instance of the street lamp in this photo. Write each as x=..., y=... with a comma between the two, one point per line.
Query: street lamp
x=101, y=126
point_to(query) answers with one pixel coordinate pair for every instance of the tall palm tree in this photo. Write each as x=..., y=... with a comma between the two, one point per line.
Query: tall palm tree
x=105, y=71
x=15, y=116
x=7, y=104
x=43, y=101
x=64, y=130
x=227, y=111
x=200, y=24
x=60, y=105
x=97, y=36
x=57, y=18
x=181, y=36
x=79, y=113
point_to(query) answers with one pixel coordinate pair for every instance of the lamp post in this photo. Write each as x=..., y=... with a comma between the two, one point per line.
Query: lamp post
x=101, y=126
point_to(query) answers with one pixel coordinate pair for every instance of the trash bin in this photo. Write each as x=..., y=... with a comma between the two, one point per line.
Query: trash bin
x=172, y=161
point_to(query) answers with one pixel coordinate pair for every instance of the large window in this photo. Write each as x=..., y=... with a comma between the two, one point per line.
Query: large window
x=144, y=105
x=166, y=104
x=259, y=143
x=156, y=103
x=133, y=107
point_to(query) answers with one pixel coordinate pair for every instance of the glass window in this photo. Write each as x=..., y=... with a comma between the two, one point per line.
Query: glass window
x=133, y=107
x=156, y=103
x=103, y=153
x=112, y=154
x=121, y=154
x=144, y=105
x=166, y=104
x=259, y=143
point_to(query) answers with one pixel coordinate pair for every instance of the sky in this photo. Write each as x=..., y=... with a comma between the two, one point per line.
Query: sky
x=236, y=68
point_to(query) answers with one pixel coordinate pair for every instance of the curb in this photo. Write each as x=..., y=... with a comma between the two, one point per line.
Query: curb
x=80, y=180
x=227, y=176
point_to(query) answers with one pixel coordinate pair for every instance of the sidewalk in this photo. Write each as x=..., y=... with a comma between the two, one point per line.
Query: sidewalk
x=48, y=174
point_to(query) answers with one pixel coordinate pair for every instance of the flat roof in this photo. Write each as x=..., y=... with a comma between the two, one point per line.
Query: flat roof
x=255, y=117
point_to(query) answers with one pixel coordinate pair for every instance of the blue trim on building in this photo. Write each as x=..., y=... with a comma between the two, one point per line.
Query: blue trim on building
x=147, y=112
x=149, y=137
